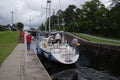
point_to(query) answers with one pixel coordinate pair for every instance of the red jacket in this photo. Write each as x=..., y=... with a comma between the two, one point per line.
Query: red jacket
x=22, y=34
x=28, y=38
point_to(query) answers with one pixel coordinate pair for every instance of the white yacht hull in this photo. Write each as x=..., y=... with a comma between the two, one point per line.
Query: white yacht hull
x=62, y=53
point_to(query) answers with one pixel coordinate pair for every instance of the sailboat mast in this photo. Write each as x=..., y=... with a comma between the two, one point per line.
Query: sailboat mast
x=49, y=2
x=30, y=21
x=46, y=18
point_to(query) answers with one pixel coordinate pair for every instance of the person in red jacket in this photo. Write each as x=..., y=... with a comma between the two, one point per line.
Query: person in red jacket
x=28, y=39
x=22, y=35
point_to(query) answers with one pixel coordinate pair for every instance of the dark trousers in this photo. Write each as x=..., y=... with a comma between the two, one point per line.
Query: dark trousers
x=77, y=49
x=28, y=46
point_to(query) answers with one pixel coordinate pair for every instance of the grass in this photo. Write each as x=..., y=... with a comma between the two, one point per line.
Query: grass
x=89, y=38
x=8, y=41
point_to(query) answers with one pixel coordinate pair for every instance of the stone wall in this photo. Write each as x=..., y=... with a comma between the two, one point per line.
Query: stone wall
x=106, y=46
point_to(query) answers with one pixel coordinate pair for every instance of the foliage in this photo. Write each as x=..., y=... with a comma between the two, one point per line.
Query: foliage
x=2, y=28
x=92, y=18
x=114, y=16
x=42, y=27
x=19, y=25
x=32, y=28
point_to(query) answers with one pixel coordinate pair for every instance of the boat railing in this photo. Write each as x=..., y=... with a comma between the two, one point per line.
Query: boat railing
x=62, y=49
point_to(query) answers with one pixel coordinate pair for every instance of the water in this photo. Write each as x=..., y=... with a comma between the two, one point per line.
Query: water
x=92, y=62
x=101, y=59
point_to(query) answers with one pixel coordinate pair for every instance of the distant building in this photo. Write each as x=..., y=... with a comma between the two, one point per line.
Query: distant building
x=8, y=27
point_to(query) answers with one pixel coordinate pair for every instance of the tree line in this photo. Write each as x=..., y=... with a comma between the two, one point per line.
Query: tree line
x=92, y=18
x=17, y=26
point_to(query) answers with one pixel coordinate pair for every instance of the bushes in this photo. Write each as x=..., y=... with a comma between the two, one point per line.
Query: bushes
x=2, y=28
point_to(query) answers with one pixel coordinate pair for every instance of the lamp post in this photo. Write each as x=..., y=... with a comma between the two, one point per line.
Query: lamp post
x=30, y=21
x=12, y=17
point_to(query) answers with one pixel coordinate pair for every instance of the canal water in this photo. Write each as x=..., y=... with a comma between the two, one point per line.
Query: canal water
x=92, y=62
x=101, y=59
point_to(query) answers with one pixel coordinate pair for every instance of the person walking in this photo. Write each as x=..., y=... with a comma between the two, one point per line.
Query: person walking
x=22, y=36
x=58, y=38
x=78, y=48
x=76, y=44
x=28, y=39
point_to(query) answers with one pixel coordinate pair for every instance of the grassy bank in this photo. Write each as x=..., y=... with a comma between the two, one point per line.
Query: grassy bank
x=97, y=39
x=8, y=41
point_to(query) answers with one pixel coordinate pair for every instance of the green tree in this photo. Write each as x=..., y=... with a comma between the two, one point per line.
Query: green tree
x=102, y=20
x=19, y=25
x=70, y=17
x=53, y=22
x=93, y=15
x=114, y=15
x=2, y=28
x=114, y=3
x=42, y=27
x=32, y=29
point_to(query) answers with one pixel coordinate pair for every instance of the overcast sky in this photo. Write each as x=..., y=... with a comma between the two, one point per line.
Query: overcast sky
x=33, y=11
